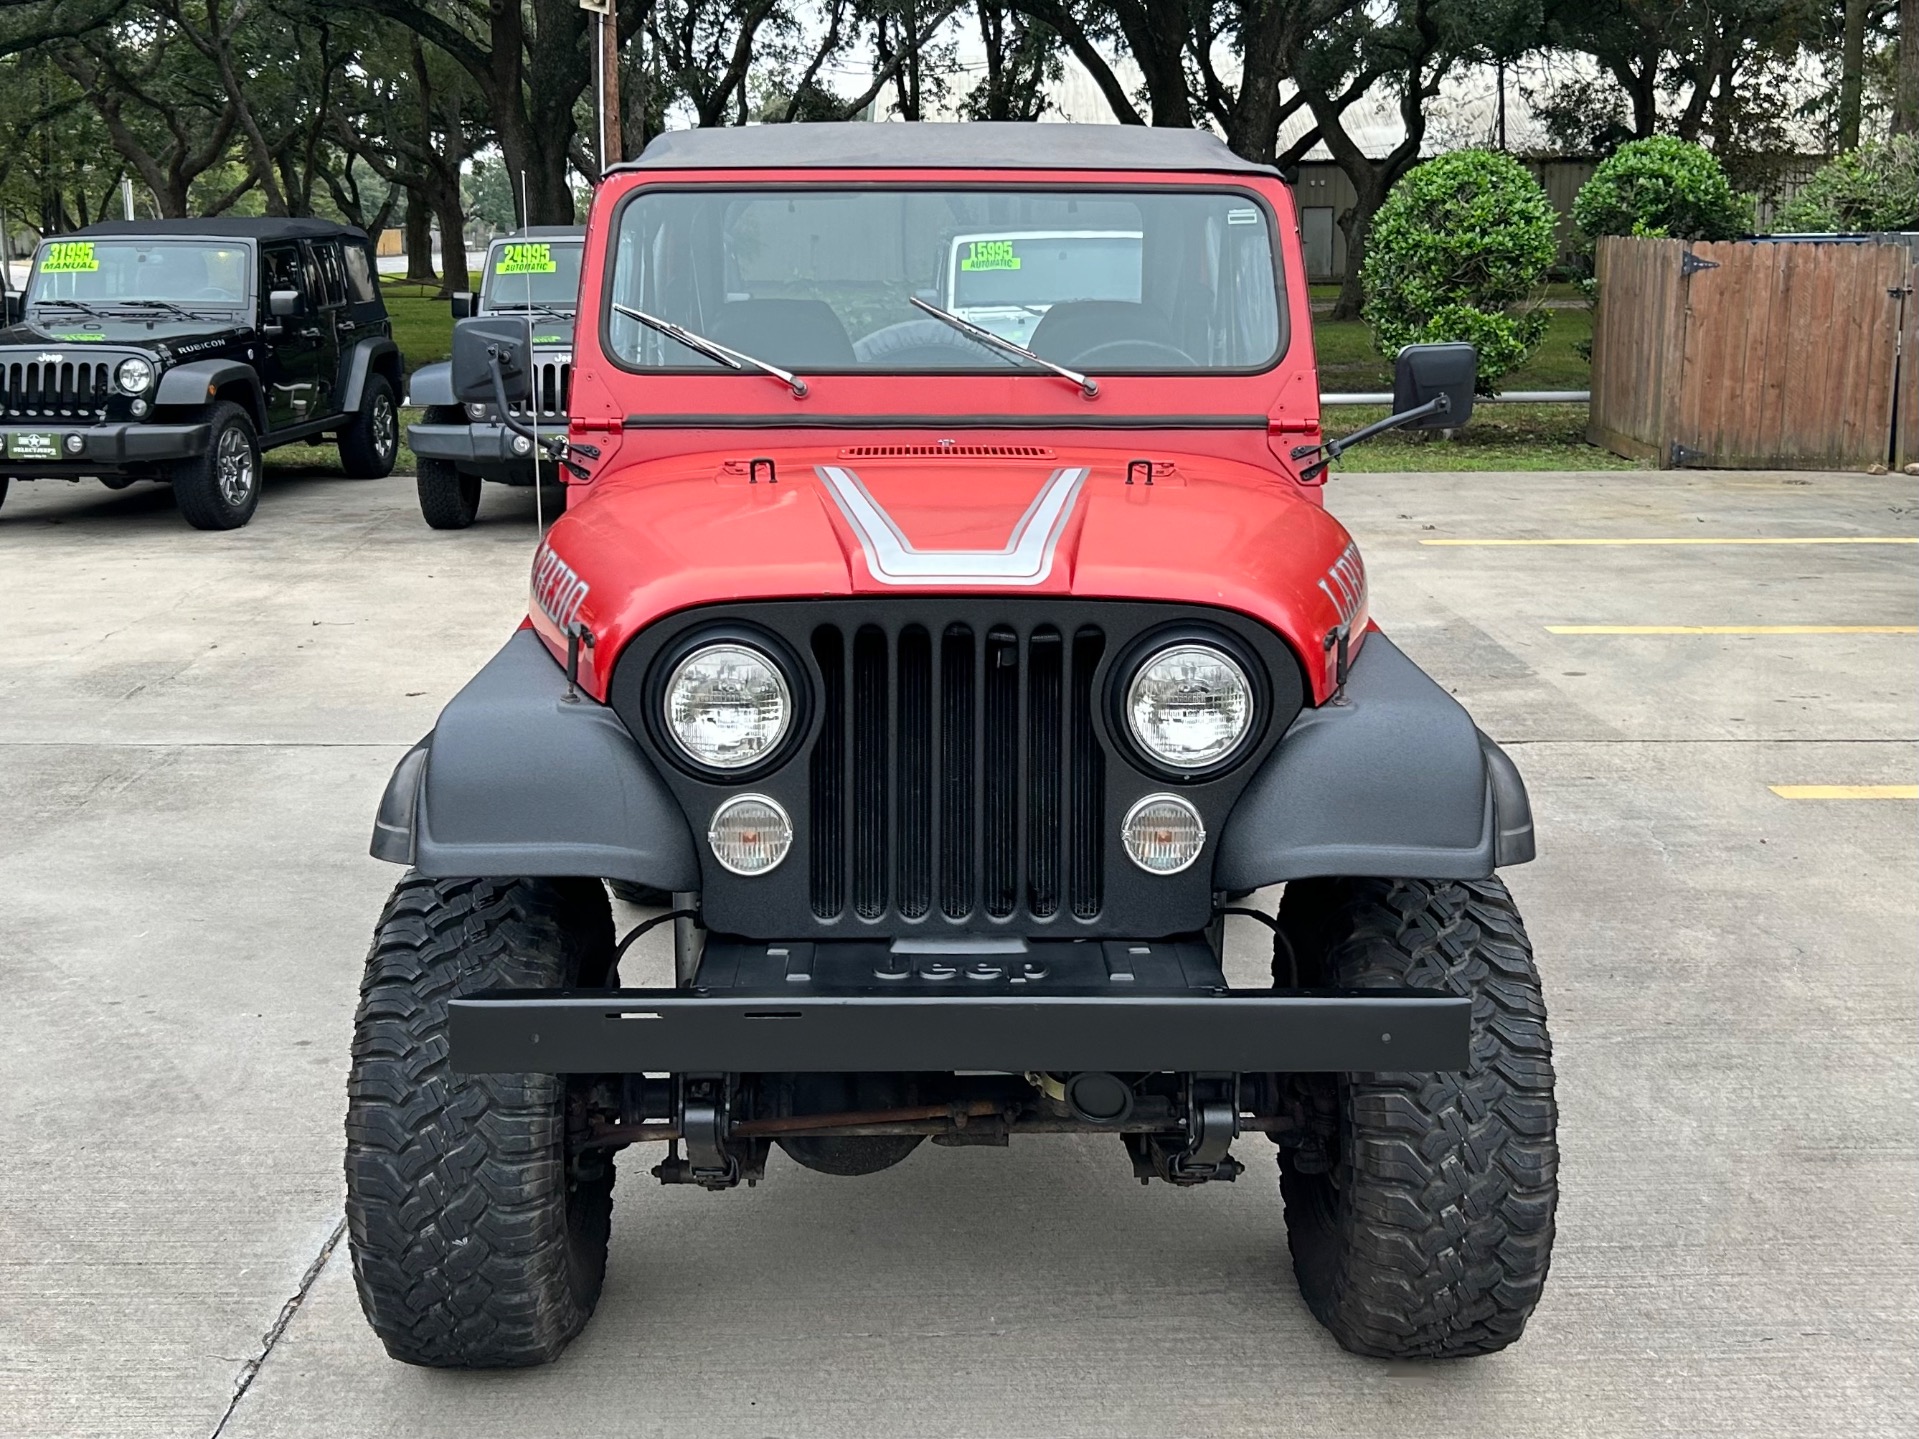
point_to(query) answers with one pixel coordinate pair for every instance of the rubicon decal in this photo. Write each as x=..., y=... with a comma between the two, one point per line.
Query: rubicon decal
x=1345, y=585
x=1026, y=559
x=557, y=587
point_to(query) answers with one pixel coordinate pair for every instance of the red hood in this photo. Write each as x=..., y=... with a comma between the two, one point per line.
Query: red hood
x=703, y=529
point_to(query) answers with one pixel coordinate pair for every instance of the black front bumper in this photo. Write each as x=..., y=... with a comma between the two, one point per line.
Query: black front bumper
x=1058, y=1007
x=482, y=448
x=107, y=448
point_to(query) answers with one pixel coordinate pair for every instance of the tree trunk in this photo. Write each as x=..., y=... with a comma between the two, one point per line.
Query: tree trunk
x=453, y=263
x=419, y=239
x=1905, y=88
x=1852, y=66
x=1357, y=224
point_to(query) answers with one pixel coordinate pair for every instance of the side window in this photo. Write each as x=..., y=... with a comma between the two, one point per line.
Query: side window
x=331, y=286
x=360, y=285
x=284, y=270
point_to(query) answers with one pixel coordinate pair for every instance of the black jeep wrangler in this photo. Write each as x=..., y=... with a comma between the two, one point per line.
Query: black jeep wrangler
x=535, y=273
x=178, y=350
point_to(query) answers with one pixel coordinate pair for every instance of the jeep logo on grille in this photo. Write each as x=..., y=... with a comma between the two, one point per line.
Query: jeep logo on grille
x=51, y=357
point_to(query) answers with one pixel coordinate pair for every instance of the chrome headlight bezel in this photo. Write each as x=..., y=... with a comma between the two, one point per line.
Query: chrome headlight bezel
x=1245, y=672
x=673, y=672
x=145, y=374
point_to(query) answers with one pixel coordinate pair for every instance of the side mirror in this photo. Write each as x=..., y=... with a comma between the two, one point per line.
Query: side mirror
x=283, y=304
x=490, y=356
x=462, y=302
x=1424, y=373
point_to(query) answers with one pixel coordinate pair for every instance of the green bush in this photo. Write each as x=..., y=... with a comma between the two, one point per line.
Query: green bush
x=1459, y=247
x=1875, y=187
x=1665, y=188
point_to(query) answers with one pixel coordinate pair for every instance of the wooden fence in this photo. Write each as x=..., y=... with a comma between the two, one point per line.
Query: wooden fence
x=1750, y=354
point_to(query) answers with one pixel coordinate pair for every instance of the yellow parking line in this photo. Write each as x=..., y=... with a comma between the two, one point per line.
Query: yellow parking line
x=1846, y=791
x=1701, y=540
x=1733, y=629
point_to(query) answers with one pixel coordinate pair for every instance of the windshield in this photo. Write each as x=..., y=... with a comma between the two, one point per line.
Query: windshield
x=105, y=272
x=823, y=280
x=522, y=273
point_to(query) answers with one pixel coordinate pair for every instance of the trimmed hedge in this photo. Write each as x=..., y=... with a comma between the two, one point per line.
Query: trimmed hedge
x=1875, y=187
x=1663, y=188
x=1459, y=247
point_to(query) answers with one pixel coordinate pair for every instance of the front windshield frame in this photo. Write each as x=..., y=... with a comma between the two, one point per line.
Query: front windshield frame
x=32, y=298
x=1015, y=369
x=491, y=298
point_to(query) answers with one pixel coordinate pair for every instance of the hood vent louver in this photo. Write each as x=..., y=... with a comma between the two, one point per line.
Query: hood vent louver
x=946, y=452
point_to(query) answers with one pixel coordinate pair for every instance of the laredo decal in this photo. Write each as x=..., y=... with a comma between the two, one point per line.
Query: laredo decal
x=557, y=588
x=68, y=257
x=525, y=258
x=1345, y=586
x=892, y=559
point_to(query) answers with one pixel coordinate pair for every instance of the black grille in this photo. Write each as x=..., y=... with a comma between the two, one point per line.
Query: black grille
x=956, y=770
x=552, y=379
x=57, y=389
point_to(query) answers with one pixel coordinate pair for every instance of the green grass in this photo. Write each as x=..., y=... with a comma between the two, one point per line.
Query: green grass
x=422, y=323
x=1498, y=437
x=1348, y=362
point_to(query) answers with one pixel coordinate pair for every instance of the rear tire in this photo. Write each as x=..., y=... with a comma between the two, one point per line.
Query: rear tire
x=220, y=489
x=478, y=1233
x=448, y=499
x=370, y=445
x=1431, y=1233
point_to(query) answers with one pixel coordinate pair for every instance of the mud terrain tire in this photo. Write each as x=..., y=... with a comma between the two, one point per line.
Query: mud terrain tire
x=220, y=489
x=1430, y=1235
x=477, y=1243
x=371, y=443
x=449, y=500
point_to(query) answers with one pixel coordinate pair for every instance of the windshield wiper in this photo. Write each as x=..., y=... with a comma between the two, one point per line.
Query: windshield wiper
x=162, y=305
x=713, y=349
x=544, y=309
x=1088, y=386
x=81, y=305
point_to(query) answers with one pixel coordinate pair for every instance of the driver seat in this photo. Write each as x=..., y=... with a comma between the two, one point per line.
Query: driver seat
x=1073, y=328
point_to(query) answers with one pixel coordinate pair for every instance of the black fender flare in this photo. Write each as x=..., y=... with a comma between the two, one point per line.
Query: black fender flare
x=431, y=385
x=195, y=383
x=377, y=354
x=1393, y=780
x=518, y=779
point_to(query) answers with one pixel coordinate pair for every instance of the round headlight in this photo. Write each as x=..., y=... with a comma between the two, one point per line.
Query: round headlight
x=1163, y=834
x=750, y=834
x=727, y=706
x=1189, y=706
x=134, y=376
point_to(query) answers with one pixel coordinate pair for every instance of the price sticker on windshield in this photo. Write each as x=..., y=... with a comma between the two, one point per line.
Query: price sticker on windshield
x=68, y=257
x=525, y=258
x=990, y=255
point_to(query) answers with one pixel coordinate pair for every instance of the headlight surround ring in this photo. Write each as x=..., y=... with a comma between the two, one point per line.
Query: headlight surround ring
x=714, y=731
x=134, y=375
x=1235, y=676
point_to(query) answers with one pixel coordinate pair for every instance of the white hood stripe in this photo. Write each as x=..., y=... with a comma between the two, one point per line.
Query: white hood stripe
x=1026, y=558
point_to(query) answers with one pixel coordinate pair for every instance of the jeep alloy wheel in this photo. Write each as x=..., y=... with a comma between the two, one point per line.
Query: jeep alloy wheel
x=220, y=489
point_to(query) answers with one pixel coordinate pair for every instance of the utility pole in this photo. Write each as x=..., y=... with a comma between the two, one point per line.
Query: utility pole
x=1501, y=68
x=606, y=83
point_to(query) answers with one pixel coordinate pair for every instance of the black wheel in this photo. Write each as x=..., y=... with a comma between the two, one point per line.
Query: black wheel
x=369, y=446
x=220, y=488
x=448, y=498
x=1424, y=1228
x=478, y=1228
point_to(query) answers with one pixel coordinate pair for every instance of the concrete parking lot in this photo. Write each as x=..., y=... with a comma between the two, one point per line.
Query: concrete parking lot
x=194, y=729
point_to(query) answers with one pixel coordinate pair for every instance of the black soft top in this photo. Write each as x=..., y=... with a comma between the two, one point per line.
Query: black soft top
x=541, y=232
x=973, y=145
x=229, y=227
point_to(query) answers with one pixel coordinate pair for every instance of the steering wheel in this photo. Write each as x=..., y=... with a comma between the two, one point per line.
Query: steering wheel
x=1132, y=352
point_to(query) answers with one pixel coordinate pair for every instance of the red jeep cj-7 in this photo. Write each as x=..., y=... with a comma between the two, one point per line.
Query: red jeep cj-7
x=946, y=618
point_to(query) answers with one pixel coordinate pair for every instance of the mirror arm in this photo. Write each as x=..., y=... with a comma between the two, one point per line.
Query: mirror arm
x=1440, y=404
x=558, y=448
